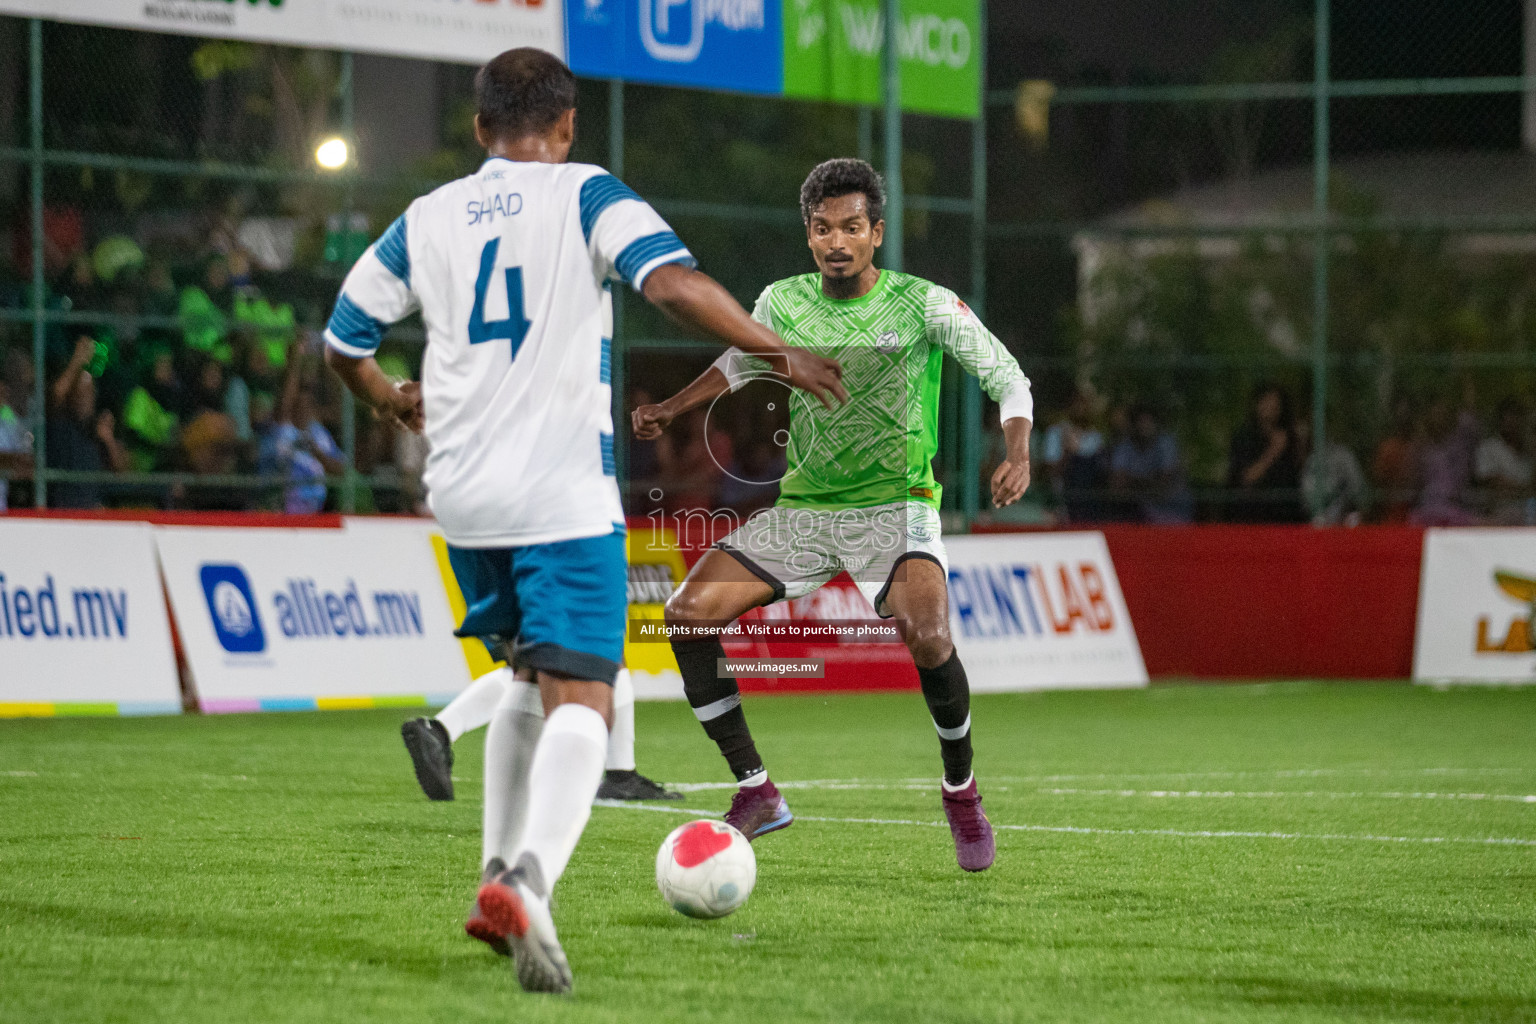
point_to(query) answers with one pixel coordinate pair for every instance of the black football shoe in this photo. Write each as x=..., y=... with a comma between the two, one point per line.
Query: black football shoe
x=431, y=754
x=631, y=785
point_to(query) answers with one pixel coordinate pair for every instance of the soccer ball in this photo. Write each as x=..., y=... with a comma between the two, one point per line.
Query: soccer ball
x=705, y=869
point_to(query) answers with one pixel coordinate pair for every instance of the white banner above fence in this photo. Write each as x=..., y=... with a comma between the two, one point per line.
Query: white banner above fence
x=296, y=619
x=83, y=626
x=1040, y=611
x=452, y=30
x=1477, y=595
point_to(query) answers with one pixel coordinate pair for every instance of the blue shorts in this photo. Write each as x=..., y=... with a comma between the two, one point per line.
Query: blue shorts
x=560, y=607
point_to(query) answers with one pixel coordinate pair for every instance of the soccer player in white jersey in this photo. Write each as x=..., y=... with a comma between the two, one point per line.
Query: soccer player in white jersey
x=511, y=269
x=430, y=740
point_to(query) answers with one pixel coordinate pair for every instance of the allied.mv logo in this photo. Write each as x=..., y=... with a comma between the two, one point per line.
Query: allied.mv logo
x=232, y=607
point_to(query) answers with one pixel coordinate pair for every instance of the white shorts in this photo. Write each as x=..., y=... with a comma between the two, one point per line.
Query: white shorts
x=797, y=550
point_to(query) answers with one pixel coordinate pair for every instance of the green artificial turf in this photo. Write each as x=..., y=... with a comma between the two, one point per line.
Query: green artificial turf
x=286, y=868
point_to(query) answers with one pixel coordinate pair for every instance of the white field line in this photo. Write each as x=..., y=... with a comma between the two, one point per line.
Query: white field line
x=991, y=780
x=1277, y=773
x=1278, y=794
x=1516, y=798
x=1076, y=830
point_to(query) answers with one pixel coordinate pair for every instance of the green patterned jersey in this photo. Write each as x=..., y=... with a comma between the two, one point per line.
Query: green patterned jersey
x=879, y=446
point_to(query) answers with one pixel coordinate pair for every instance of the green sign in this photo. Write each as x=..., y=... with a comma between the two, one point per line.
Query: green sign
x=832, y=52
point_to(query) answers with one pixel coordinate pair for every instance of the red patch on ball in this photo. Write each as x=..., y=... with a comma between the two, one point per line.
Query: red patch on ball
x=699, y=842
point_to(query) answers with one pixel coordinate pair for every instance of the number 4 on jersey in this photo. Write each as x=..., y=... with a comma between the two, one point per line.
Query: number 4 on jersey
x=515, y=327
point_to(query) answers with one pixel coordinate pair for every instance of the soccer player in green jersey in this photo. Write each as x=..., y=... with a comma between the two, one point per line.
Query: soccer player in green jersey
x=859, y=493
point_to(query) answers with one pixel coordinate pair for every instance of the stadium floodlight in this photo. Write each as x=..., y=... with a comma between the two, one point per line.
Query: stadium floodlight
x=333, y=153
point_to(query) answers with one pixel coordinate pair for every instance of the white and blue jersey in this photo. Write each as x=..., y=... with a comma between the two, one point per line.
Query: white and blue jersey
x=511, y=269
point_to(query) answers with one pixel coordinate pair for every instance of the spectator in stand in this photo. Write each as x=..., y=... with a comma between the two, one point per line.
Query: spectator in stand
x=204, y=311
x=1264, y=462
x=1338, y=496
x=303, y=450
x=212, y=449
x=1076, y=460
x=1148, y=471
x=1395, y=466
x=237, y=405
x=80, y=438
x=1502, y=467
x=153, y=412
x=21, y=379
x=252, y=375
x=15, y=445
x=272, y=324
x=1445, y=465
x=210, y=388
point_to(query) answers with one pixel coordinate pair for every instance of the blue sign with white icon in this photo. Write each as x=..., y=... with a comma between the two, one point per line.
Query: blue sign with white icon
x=232, y=606
x=714, y=44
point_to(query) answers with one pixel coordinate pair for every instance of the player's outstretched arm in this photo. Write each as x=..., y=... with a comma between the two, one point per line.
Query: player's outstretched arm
x=698, y=301
x=954, y=328
x=400, y=403
x=650, y=420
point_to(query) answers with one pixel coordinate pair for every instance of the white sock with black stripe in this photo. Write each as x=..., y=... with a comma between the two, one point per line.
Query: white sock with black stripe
x=716, y=703
x=948, y=695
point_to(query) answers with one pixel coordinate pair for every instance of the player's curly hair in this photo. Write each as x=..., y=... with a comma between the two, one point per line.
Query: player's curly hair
x=522, y=92
x=843, y=177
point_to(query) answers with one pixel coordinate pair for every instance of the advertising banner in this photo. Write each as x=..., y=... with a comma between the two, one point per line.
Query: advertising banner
x=808, y=49
x=389, y=533
x=1027, y=611
x=301, y=619
x=1477, y=594
x=464, y=32
x=1040, y=611
x=83, y=624
x=832, y=51
x=711, y=44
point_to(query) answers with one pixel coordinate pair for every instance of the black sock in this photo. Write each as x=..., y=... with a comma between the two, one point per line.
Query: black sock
x=717, y=703
x=949, y=702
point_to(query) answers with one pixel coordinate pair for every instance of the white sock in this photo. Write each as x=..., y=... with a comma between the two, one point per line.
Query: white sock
x=755, y=779
x=955, y=789
x=509, y=746
x=567, y=769
x=621, y=741
x=474, y=707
